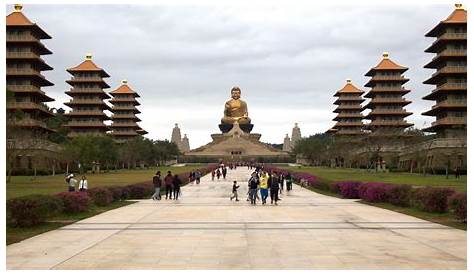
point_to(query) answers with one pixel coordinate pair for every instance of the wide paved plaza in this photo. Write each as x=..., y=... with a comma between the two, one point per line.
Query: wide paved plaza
x=205, y=230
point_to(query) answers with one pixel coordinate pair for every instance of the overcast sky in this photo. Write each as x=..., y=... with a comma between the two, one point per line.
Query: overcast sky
x=288, y=61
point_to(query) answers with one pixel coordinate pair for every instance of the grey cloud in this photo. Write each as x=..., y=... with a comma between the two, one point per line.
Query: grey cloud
x=288, y=60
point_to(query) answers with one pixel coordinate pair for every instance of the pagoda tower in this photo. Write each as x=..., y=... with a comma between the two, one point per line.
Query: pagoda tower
x=87, y=115
x=295, y=135
x=287, y=143
x=141, y=131
x=176, y=136
x=124, y=121
x=349, y=116
x=185, y=144
x=387, y=115
x=450, y=78
x=23, y=73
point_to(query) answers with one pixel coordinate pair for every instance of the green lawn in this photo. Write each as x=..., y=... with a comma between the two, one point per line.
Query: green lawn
x=25, y=185
x=345, y=174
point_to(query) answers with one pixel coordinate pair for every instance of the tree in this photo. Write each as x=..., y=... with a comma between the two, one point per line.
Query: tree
x=89, y=150
x=314, y=148
x=56, y=123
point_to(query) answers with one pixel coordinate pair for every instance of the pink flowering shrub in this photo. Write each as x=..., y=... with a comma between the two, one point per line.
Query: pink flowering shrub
x=348, y=190
x=101, y=196
x=373, y=192
x=74, y=202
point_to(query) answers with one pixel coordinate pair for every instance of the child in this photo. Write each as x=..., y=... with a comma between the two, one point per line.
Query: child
x=234, y=192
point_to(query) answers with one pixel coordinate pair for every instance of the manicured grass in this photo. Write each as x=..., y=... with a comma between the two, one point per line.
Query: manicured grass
x=446, y=219
x=26, y=185
x=16, y=234
x=346, y=174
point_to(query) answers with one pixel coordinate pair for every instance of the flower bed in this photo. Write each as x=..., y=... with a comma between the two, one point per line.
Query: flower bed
x=429, y=199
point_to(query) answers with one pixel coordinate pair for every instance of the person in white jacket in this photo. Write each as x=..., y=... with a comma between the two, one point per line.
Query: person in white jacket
x=83, y=184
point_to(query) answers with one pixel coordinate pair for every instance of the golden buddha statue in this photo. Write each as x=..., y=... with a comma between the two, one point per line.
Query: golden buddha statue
x=235, y=109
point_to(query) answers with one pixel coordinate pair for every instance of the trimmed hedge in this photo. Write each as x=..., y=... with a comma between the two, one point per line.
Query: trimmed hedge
x=348, y=190
x=32, y=209
x=74, y=202
x=117, y=192
x=101, y=196
x=432, y=199
x=399, y=195
x=373, y=192
x=458, y=204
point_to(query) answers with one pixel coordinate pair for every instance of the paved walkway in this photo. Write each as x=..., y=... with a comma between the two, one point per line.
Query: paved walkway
x=205, y=230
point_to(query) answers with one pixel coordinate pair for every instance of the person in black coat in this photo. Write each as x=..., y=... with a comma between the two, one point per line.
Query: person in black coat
x=274, y=188
x=176, y=187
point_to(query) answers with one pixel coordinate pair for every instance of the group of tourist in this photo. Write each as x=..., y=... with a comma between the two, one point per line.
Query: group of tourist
x=71, y=183
x=172, y=185
x=220, y=171
x=195, y=175
x=265, y=182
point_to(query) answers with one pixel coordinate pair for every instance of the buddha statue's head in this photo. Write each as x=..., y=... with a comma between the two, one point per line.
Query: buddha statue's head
x=235, y=93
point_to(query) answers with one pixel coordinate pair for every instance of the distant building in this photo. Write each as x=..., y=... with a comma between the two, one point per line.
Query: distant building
x=87, y=115
x=23, y=72
x=182, y=143
x=185, y=144
x=387, y=115
x=349, y=116
x=448, y=150
x=295, y=135
x=124, y=108
x=28, y=147
x=450, y=77
x=287, y=143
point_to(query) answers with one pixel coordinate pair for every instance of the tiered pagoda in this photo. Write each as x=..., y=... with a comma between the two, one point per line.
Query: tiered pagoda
x=450, y=78
x=387, y=115
x=87, y=115
x=23, y=72
x=349, y=116
x=124, y=120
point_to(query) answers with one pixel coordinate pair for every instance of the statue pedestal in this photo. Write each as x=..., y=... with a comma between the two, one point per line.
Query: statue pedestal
x=247, y=128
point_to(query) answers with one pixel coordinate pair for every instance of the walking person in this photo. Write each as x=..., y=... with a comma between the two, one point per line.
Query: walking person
x=169, y=185
x=281, y=180
x=83, y=184
x=224, y=172
x=274, y=186
x=157, y=184
x=213, y=174
x=176, y=186
x=197, y=176
x=289, y=182
x=264, y=188
x=218, y=173
x=253, y=189
x=456, y=172
x=234, y=192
